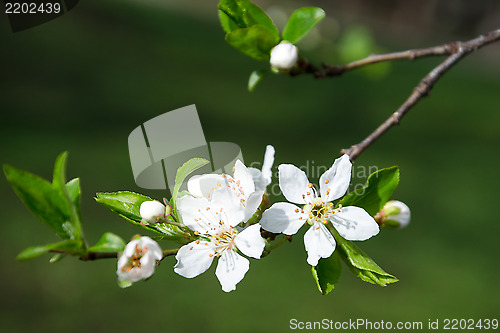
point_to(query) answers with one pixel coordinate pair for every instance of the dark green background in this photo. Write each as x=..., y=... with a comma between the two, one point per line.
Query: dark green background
x=83, y=82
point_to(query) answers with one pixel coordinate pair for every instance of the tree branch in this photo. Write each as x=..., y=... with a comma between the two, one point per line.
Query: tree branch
x=457, y=51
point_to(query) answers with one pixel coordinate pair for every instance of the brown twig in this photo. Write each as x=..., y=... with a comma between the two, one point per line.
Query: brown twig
x=457, y=51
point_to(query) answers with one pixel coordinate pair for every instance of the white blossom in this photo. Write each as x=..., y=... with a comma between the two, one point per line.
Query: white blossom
x=241, y=185
x=138, y=260
x=215, y=221
x=352, y=223
x=395, y=214
x=263, y=177
x=284, y=56
x=152, y=211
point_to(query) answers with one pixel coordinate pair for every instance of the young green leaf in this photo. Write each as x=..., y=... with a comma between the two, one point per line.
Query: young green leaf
x=74, y=247
x=185, y=170
x=74, y=192
x=301, y=22
x=108, y=242
x=327, y=273
x=240, y=14
x=376, y=192
x=124, y=203
x=128, y=204
x=42, y=199
x=360, y=264
x=59, y=184
x=255, y=41
x=256, y=77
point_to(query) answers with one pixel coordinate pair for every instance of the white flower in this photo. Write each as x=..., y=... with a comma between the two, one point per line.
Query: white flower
x=395, y=214
x=215, y=221
x=262, y=178
x=241, y=185
x=352, y=223
x=152, y=211
x=138, y=260
x=284, y=56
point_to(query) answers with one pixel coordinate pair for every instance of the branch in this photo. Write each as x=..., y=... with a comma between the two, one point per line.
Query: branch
x=459, y=50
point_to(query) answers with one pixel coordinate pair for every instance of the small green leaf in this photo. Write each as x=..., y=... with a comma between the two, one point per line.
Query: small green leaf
x=74, y=247
x=327, y=273
x=360, y=264
x=124, y=283
x=108, y=242
x=74, y=192
x=128, y=204
x=185, y=170
x=301, y=22
x=59, y=184
x=240, y=14
x=57, y=257
x=41, y=198
x=124, y=203
x=255, y=41
x=376, y=192
x=256, y=77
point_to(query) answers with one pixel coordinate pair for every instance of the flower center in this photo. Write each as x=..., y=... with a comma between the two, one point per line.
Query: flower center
x=318, y=211
x=135, y=260
x=224, y=239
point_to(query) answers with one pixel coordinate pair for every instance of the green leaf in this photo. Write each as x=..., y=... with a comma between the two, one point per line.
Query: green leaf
x=74, y=247
x=59, y=184
x=108, y=242
x=185, y=170
x=360, y=264
x=124, y=203
x=128, y=204
x=255, y=41
x=376, y=192
x=42, y=199
x=256, y=77
x=240, y=14
x=301, y=22
x=74, y=192
x=327, y=273
x=124, y=283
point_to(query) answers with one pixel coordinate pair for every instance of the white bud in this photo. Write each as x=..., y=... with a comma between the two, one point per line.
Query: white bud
x=395, y=214
x=152, y=211
x=284, y=56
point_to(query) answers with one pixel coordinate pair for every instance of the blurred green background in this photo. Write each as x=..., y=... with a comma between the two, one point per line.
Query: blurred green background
x=84, y=81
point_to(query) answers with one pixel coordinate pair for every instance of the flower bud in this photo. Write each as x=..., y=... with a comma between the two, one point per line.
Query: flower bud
x=153, y=211
x=395, y=215
x=284, y=56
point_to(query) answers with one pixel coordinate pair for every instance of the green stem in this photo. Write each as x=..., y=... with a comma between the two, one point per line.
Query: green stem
x=282, y=241
x=171, y=252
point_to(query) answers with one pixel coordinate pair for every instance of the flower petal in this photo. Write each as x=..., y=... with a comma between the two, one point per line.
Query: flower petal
x=283, y=217
x=293, y=183
x=152, y=247
x=267, y=174
x=243, y=178
x=354, y=223
x=253, y=202
x=226, y=207
x=334, y=182
x=319, y=243
x=194, y=259
x=258, y=179
x=231, y=269
x=250, y=242
x=195, y=214
x=204, y=185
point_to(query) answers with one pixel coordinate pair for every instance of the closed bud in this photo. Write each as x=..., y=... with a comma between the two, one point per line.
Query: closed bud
x=395, y=215
x=284, y=56
x=153, y=211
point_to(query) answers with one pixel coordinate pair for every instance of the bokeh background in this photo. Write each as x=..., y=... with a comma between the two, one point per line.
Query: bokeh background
x=84, y=81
